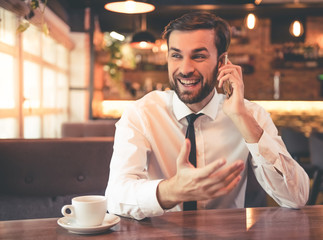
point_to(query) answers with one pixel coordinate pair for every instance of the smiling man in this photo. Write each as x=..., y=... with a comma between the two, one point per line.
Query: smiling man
x=156, y=168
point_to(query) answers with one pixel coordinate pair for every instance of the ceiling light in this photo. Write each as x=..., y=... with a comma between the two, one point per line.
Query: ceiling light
x=296, y=28
x=143, y=40
x=129, y=7
x=117, y=36
x=251, y=21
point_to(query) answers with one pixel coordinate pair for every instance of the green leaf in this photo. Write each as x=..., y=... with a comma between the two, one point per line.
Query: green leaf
x=34, y=4
x=45, y=29
x=22, y=26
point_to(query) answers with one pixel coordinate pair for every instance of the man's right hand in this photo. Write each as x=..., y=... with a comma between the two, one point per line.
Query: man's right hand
x=196, y=184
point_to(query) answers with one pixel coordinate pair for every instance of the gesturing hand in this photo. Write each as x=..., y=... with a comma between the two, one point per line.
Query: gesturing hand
x=194, y=184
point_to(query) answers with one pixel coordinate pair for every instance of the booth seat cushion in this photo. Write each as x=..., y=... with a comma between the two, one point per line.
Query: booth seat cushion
x=46, y=173
x=29, y=207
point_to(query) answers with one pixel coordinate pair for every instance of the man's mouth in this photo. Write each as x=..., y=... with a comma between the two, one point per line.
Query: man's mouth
x=188, y=82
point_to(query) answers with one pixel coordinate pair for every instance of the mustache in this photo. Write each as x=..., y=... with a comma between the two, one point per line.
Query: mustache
x=181, y=75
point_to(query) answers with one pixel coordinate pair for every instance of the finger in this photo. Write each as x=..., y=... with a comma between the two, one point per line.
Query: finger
x=183, y=156
x=225, y=190
x=212, y=190
x=223, y=79
x=211, y=168
x=228, y=178
x=224, y=176
x=235, y=168
x=237, y=72
x=224, y=71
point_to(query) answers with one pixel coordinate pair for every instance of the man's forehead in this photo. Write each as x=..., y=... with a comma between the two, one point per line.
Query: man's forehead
x=198, y=32
x=195, y=40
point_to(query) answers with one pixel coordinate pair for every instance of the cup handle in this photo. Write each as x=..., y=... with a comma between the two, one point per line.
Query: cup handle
x=69, y=207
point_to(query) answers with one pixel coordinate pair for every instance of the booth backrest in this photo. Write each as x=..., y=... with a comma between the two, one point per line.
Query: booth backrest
x=93, y=128
x=38, y=171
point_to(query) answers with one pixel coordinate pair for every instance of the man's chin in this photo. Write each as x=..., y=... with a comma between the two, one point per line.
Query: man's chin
x=188, y=98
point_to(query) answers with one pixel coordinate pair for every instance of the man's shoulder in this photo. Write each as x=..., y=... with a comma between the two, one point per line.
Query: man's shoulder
x=149, y=108
x=155, y=98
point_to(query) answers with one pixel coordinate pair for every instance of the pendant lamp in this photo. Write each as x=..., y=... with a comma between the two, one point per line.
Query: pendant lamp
x=251, y=21
x=296, y=29
x=143, y=39
x=129, y=7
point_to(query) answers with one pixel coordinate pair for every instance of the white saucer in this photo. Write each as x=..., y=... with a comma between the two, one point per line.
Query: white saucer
x=68, y=223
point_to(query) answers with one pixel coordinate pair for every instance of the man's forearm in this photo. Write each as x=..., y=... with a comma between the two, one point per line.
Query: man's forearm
x=248, y=126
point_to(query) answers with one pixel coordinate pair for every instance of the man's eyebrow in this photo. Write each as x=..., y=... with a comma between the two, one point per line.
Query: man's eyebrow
x=174, y=49
x=200, y=49
x=194, y=50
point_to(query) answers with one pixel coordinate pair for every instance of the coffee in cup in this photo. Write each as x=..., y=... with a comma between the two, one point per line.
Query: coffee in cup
x=87, y=211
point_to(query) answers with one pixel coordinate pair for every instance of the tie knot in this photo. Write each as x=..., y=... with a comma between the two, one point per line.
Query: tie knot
x=192, y=117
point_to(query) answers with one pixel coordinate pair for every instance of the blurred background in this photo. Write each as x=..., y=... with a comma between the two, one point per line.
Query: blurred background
x=67, y=61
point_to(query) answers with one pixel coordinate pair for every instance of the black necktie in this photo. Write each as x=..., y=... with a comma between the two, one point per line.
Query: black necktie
x=190, y=134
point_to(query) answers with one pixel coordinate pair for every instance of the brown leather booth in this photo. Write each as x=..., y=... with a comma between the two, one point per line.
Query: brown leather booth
x=39, y=176
x=91, y=128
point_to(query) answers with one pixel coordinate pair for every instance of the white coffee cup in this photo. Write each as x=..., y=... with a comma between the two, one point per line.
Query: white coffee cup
x=87, y=211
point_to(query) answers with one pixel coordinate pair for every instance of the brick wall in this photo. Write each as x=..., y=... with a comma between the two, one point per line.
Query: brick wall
x=298, y=83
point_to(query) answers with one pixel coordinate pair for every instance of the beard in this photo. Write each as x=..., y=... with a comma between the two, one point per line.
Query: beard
x=188, y=97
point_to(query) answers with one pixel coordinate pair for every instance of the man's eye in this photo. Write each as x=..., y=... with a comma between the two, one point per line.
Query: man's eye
x=175, y=55
x=199, y=57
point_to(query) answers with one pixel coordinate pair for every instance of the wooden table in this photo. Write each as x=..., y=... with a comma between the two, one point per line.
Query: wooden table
x=251, y=223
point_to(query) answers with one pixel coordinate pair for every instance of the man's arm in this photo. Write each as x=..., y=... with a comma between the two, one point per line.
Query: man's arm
x=234, y=107
x=279, y=175
x=130, y=193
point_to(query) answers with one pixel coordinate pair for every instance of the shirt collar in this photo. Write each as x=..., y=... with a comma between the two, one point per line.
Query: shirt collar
x=210, y=110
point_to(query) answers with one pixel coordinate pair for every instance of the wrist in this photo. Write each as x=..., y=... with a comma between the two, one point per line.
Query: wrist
x=237, y=112
x=166, y=195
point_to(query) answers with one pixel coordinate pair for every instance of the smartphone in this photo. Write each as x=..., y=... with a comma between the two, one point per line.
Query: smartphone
x=227, y=88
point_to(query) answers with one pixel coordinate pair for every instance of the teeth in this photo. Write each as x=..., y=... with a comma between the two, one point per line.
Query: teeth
x=188, y=81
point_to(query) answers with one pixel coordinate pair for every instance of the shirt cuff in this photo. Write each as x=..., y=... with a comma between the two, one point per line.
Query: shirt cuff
x=147, y=199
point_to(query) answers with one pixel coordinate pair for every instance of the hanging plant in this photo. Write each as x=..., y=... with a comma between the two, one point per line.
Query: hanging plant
x=33, y=5
x=113, y=49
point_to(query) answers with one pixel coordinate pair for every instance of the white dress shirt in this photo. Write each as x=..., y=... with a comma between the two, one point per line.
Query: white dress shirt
x=148, y=140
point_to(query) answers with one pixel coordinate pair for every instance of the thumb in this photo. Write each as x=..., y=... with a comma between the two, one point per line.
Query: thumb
x=183, y=156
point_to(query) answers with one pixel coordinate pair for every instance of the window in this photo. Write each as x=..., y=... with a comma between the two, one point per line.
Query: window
x=33, y=83
x=7, y=81
x=8, y=25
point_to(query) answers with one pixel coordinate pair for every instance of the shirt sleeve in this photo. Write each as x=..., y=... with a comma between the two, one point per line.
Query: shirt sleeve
x=130, y=192
x=276, y=171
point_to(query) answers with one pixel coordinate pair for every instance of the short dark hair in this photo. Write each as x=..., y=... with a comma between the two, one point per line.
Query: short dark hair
x=202, y=20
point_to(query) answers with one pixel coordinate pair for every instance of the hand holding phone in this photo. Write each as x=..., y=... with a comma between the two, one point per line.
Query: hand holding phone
x=227, y=88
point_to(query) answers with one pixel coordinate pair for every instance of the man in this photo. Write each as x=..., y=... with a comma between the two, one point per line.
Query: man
x=150, y=171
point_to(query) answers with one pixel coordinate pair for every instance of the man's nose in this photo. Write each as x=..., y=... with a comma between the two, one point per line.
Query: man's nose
x=187, y=67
